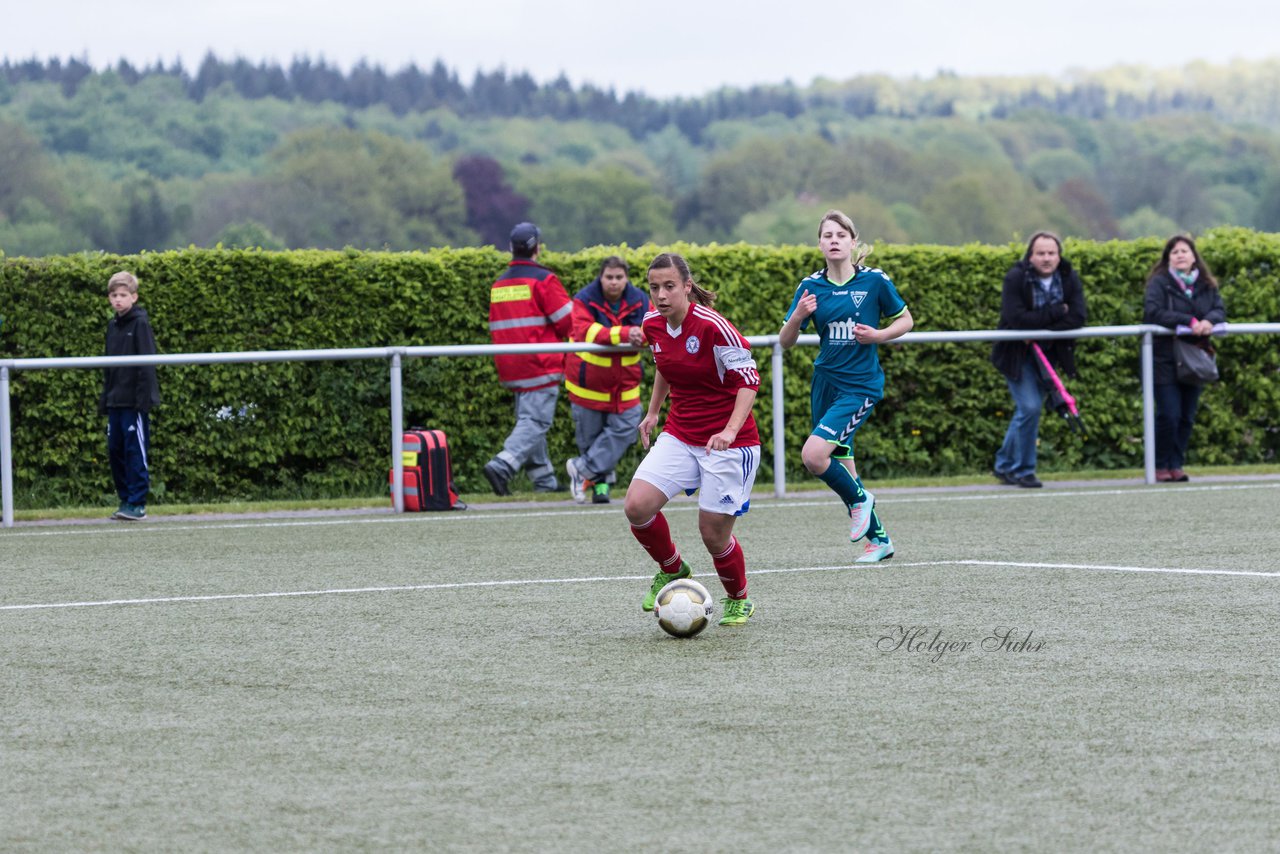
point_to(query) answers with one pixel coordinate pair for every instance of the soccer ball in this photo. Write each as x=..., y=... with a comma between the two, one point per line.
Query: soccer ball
x=683, y=608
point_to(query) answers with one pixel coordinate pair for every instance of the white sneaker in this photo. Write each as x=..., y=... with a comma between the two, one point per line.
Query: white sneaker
x=577, y=483
x=876, y=552
x=860, y=518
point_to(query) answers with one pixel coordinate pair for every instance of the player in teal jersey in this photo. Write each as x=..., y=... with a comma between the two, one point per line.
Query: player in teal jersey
x=846, y=302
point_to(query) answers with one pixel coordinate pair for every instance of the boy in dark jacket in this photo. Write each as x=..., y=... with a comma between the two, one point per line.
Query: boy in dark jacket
x=128, y=393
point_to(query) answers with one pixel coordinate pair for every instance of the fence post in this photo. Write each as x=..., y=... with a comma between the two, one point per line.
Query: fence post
x=1148, y=411
x=779, y=426
x=397, y=436
x=6, y=453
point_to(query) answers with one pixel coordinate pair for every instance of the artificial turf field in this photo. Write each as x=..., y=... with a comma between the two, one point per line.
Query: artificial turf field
x=486, y=681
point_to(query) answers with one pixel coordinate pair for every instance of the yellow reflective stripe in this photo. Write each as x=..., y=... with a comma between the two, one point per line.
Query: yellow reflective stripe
x=587, y=393
x=603, y=361
x=510, y=293
x=615, y=334
x=595, y=359
x=629, y=394
x=591, y=332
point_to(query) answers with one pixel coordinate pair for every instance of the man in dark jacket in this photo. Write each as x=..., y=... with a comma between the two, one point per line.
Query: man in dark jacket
x=1041, y=291
x=128, y=394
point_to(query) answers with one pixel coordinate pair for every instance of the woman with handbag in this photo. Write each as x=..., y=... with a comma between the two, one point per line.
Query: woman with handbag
x=1181, y=291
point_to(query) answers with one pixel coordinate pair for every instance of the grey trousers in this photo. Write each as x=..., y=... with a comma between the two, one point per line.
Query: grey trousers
x=526, y=447
x=603, y=437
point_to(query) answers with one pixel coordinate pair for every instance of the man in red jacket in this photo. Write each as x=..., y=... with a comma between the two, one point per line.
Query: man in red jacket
x=528, y=305
x=604, y=388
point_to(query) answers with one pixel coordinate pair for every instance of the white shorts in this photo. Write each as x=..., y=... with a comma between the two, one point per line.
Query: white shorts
x=724, y=477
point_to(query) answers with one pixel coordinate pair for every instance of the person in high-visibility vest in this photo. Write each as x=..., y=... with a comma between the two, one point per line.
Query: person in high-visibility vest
x=528, y=305
x=604, y=388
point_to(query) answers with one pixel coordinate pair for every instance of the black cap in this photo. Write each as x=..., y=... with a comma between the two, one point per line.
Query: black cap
x=525, y=237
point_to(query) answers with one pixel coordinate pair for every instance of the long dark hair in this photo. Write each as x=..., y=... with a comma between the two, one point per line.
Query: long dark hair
x=1162, y=266
x=700, y=295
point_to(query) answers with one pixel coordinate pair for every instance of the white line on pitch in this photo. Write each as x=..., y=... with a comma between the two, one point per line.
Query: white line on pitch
x=337, y=591
x=457, y=585
x=676, y=506
x=1113, y=568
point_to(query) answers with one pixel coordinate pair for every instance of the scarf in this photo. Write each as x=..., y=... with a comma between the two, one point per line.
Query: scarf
x=1186, y=281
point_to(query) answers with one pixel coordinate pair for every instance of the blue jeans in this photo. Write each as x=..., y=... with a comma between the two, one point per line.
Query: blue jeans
x=1175, y=414
x=1017, y=456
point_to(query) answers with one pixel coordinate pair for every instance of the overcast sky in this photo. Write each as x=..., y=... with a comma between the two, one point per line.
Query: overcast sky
x=661, y=47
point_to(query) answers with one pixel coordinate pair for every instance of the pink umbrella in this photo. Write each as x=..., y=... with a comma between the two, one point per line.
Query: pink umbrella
x=1059, y=398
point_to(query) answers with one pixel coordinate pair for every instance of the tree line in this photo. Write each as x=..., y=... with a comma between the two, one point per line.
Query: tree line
x=1127, y=93
x=245, y=155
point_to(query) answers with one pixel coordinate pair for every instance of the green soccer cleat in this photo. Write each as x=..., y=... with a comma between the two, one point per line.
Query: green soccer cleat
x=876, y=552
x=737, y=611
x=600, y=493
x=661, y=580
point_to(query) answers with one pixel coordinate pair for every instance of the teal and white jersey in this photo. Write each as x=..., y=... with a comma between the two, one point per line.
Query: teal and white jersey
x=869, y=297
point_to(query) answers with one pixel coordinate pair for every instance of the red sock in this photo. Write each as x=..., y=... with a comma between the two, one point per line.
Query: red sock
x=731, y=566
x=655, y=536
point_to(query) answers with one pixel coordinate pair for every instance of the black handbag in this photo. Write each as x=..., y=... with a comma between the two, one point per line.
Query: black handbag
x=1196, y=363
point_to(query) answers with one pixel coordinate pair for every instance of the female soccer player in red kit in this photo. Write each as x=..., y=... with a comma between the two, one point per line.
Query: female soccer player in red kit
x=709, y=441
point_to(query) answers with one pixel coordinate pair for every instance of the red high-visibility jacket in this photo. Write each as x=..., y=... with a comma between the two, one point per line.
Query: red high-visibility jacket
x=529, y=305
x=604, y=381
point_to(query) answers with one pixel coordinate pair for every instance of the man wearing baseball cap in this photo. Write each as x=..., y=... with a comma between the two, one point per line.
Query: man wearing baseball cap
x=528, y=305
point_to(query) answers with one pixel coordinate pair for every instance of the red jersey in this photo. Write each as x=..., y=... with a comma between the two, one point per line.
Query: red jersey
x=704, y=362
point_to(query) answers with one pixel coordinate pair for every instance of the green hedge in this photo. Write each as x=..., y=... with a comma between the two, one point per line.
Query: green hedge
x=321, y=429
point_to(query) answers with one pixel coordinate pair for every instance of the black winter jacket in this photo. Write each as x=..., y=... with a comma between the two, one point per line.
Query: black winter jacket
x=130, y=334
x=1017, y=311
x=1164, y=304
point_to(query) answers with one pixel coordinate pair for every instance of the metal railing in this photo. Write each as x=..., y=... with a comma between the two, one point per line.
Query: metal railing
x=396, y=355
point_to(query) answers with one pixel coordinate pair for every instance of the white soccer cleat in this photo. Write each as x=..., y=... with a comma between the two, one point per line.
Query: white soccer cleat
x=876, y=552
x=577, y=483
x=860, y=518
